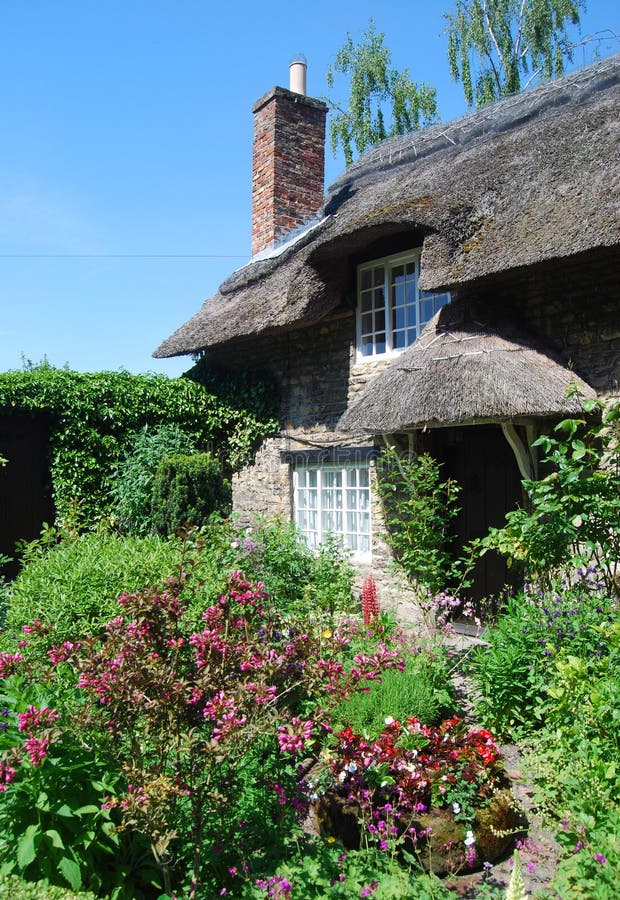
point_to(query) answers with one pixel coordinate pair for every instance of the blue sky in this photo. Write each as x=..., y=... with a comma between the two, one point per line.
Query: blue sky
x=125, y=160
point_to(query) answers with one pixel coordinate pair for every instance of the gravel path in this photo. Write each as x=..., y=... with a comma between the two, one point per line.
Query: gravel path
x=539, y=851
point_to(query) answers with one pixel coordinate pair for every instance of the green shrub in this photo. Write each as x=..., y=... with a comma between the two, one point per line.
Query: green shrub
x=93, y=416
x=54, y=821
x=75, y=584
x=574, y=514
x=419, y=511
x=424, y=690
x=188, y=489
x=14, y=887
x=272, y=551
x=514, y=670
x=298, y=580
x=136, y=473
x=329, y=587
x=316, y=869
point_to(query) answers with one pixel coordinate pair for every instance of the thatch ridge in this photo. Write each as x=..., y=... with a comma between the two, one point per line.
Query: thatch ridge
x=465, y=370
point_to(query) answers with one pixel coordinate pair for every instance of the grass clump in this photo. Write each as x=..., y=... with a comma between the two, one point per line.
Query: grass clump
x=424, y=690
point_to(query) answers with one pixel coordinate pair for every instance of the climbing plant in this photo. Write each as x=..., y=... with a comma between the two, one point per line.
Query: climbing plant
x=420, y=509
x=94, y=417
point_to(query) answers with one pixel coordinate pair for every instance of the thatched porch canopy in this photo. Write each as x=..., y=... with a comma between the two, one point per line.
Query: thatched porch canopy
x=530, y=178
x=462, y=372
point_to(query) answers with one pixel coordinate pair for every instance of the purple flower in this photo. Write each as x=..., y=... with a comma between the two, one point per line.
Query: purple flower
x=600, y=858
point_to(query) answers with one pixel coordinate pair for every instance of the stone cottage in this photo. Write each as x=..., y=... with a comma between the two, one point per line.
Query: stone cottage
x=445, y=292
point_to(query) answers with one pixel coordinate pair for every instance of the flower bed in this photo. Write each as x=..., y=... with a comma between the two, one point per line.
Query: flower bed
x=439, y=793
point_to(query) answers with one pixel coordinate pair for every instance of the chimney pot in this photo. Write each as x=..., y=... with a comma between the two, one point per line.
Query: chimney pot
x=297, y=74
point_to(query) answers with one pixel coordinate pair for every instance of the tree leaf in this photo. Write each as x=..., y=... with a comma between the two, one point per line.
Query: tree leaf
x=26, y=848
x=71, y=871
x=55, y=838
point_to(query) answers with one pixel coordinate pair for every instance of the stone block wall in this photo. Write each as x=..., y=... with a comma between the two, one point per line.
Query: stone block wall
x=573, y=305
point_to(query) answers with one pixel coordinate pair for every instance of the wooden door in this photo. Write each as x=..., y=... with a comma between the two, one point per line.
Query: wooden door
x=480, y=459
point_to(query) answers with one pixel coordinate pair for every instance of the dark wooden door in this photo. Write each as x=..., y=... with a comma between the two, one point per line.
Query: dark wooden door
x=482, y=462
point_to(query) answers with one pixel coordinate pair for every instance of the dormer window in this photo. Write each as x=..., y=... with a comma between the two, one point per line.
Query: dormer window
x=391, y=310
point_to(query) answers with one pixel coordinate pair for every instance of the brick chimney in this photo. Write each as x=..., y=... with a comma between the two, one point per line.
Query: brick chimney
x=288, y=165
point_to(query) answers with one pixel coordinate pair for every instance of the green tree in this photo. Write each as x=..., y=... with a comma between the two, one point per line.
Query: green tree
x=373, y=84
x=498, y=47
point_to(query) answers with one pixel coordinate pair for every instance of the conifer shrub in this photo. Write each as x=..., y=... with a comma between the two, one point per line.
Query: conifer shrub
x=188, y=488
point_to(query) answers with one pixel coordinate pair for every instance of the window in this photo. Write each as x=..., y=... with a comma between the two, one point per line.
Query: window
x=392, y=311
x=334, y=500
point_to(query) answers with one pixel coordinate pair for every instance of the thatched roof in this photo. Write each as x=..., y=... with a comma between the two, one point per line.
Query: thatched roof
x=464, y=371
x=533, y=177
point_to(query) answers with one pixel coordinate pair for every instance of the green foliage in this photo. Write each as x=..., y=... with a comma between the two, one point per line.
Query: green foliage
x=52, y=823
x=94, y=416
x=136, y=472
x=76, y=583
x=591, y=864
x=419, y=508
x=496, y=47
x=574, y=515
x=551, y=671
x=316, y=869
x=374, y=83
x=188, y=489
x=424, y=690
x=512, y=672
x=272, y=551
x=254, y=398
x=18, y=889
x=330, y=579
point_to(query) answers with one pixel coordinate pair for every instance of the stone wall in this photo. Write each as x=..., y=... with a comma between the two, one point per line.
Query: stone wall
x=573, y=305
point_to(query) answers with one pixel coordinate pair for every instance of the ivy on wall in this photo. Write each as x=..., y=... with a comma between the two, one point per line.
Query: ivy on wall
x=94, y=416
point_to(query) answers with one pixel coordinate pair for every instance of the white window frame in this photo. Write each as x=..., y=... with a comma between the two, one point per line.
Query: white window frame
x=322, y=509
x=370, y=309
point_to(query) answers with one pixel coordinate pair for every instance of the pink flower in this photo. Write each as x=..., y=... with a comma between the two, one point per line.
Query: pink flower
x=292, y=737
x=7, y=775
x=263, y=693
x=35, y=718
x=62, y=653
x=9, y=663
x=36, y=749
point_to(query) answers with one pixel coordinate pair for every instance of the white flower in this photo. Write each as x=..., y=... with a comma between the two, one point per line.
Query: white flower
x=389, y=720
x=234, y=544
x=342, y=776
x=352, y=767
x=457, y=808
x=469, y=839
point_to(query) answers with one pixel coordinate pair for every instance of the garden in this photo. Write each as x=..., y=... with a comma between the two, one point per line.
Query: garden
x=211, y=710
